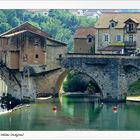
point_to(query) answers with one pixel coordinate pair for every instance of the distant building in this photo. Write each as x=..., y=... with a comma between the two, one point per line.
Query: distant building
x=84, y=40
x=27, y=45
x=118, y=33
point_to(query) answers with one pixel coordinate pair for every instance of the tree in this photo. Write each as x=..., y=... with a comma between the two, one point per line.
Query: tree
x=4, y=27
x=3, y=17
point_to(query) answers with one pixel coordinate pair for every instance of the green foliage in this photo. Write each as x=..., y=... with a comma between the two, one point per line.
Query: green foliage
x=4, y=27
x=134, y=88
x=2, y=17
x=92, y=87
x=61, y=24
x=74, y=83
x=77, y=82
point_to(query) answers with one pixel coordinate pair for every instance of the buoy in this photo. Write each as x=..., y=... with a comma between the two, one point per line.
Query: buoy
x=54, y=109
x=115, y=109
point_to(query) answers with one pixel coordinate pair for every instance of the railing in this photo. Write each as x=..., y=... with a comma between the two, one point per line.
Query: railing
x=130, y=45
x=77, y=55
x=131, y=31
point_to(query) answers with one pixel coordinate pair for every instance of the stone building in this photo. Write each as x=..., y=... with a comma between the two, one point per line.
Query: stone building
x=84, y=40
x=28, y=46
x=116, y=30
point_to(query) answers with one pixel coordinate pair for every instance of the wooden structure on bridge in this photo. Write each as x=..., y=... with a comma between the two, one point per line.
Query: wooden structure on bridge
x=27, y=45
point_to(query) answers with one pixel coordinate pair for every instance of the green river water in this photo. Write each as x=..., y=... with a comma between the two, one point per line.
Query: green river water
x=72, y=115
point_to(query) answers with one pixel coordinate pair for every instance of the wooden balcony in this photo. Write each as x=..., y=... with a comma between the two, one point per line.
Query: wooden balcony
x=130, y=45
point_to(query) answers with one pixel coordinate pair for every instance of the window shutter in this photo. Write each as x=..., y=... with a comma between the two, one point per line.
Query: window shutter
x=116, y=38
x=121, y=38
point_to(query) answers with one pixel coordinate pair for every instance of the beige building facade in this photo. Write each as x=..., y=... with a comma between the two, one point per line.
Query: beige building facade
x=118, y=30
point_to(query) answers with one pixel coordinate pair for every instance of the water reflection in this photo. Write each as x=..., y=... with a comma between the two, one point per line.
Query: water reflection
x=73, y=115
x=87, y=111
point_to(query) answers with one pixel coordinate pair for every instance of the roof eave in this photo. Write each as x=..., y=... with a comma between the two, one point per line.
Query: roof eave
x=57, y=41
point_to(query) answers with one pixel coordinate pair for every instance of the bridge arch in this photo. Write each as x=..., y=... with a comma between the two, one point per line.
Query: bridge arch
x=63, y=75
x=59, y=81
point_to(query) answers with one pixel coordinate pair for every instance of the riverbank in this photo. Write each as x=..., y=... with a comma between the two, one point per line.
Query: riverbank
x=133, y=98
x=5, y=112
x=14, y=109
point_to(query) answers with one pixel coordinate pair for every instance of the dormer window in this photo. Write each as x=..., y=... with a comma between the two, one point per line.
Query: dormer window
x=131, y=25
x=90, y=38
x=113, y=23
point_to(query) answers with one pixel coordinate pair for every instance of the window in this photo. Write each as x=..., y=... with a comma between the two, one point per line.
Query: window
x=118, y=38
x=36, y=41
x=60, y=55
x=130, y=27
x=112, y=24
x=36, y=56
x=106, y=38
x=131, y=38
x=89, y=40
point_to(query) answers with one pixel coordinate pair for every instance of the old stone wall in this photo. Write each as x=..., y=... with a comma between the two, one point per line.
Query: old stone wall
x=50, y=83
x=19, y=86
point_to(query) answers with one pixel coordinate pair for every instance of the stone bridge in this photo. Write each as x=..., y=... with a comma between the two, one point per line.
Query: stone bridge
x=112, y=73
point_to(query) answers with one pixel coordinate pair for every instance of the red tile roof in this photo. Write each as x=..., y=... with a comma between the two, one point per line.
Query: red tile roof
x=83, y=32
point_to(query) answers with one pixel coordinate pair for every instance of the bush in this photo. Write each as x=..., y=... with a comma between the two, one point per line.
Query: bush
x=9, y=101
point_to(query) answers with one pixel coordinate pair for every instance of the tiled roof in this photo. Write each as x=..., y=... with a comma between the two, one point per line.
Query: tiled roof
x=83, y=32
x=121, y=18
x=25, y=26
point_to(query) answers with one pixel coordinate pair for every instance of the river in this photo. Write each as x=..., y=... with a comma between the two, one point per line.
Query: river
x=72, y=115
